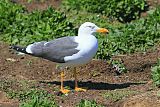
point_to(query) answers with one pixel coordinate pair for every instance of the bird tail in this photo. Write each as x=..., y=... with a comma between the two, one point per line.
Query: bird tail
x=19, y=49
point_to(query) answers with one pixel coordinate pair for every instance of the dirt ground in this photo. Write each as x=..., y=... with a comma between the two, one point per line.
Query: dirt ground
x=38, y=4
x=97, y=76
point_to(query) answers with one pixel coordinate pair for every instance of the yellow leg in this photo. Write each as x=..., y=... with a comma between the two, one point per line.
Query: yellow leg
x=64, y=91
x=76, y=84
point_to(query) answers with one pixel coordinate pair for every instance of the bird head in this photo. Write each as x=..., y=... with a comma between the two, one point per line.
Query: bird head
x=89, y=28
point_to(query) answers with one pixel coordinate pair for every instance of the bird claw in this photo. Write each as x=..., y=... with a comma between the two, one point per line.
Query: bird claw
x=65, y=91
x=80, y=89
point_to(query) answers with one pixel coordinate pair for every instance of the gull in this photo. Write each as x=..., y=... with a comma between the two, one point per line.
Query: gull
x=70, y=51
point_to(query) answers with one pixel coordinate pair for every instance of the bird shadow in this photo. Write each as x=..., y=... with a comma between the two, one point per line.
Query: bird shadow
x=94, y=85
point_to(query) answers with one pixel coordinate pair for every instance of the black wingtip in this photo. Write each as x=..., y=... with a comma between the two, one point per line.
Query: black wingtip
x=14, y=47
x=18, y=48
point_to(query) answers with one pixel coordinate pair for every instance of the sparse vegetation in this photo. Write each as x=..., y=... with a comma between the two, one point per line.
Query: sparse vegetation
x=38, y=102
x=34, y=98
x=28, y=97
x=118, y=66
x=118, y=94
x=156, y=73
x=87, y=103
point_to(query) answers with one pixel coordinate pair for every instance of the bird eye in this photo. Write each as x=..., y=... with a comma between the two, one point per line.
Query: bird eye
x=91, y=27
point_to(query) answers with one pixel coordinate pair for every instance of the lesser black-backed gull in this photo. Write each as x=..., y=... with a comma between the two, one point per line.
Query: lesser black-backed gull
x=68, y=51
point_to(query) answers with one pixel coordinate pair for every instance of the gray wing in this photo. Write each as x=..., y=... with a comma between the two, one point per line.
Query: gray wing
x=55, y=50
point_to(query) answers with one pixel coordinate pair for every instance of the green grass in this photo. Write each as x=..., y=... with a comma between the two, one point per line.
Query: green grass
x=116, y=95
x=155, y=72
x=88, y=103
x=22, y=28
x=30, y=1
x=38, y=102
x=123, y=10
x=27, y=94
x=34, y=98
x=123, y=38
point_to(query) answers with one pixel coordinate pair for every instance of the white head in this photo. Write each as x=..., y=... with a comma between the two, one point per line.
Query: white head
x=89, y=28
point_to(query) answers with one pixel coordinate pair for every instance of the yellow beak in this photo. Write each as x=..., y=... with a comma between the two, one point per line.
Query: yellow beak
x=102, y=30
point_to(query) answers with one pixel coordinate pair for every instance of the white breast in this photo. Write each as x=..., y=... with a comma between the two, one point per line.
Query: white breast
x=88, y=47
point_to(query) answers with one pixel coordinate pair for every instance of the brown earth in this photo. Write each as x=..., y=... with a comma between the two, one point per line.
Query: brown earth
x=153, y=3
x=5, y=102
x=97, y=76
x=38, y=4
